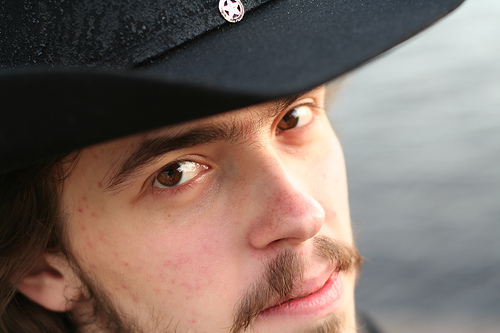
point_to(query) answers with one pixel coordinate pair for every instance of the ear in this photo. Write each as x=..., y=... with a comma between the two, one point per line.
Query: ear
x=51, y=283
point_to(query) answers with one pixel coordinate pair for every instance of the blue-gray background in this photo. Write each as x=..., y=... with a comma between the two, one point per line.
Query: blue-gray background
x=420, y=128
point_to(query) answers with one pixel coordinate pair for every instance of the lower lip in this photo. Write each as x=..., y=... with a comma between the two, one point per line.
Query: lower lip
x=322, y=302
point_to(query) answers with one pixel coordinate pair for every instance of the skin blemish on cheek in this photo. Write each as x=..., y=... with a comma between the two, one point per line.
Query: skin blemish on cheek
x=99, y=184
x=94, y=214
x=84, y=198
x=83, y=228
x=80, y=209
x=90, y=244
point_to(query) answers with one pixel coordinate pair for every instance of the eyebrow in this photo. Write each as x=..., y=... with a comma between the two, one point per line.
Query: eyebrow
x=152, y=148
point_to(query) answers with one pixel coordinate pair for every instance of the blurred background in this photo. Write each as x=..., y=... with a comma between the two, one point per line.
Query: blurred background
x=420, y=128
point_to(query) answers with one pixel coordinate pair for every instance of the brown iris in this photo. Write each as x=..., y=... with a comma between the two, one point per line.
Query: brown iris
x=170, y=175
x=289, y=120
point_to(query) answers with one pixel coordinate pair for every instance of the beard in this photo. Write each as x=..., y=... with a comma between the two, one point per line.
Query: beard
x=95, y=311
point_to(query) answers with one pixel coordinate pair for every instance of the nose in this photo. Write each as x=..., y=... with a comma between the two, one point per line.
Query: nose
x=283, y=211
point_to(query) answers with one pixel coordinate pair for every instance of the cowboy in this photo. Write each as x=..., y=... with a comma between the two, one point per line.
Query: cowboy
x=168, y=166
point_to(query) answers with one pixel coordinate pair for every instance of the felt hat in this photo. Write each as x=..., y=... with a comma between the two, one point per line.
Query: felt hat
x=75, y=73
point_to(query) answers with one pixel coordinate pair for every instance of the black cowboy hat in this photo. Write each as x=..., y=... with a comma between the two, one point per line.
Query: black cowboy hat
x=75, y=73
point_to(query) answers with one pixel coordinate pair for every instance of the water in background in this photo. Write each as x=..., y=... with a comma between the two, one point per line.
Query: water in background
x=420, y=129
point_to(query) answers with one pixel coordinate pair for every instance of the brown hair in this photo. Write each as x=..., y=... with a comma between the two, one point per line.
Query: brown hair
x=29, y=227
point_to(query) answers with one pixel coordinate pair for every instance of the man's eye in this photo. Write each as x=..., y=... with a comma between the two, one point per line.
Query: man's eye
x=177, y=173
x=298, y=116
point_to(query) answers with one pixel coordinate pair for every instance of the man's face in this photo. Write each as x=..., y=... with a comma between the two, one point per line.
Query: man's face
x=185, y=227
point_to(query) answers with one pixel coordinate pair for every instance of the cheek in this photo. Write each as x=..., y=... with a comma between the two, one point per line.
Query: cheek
x=156, y=259
x=324, y=171
x=330, y=188
x=190, y=260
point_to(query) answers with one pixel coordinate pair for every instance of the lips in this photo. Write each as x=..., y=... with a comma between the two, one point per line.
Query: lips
x=315, y=297
x=310, y=285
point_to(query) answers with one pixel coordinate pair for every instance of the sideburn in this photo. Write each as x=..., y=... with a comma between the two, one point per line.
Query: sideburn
x=93, y=310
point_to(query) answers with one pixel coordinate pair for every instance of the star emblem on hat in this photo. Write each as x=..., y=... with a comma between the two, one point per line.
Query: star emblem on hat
x=231, y=10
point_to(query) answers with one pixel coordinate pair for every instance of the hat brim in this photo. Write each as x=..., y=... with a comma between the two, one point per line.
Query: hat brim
x=279, y=49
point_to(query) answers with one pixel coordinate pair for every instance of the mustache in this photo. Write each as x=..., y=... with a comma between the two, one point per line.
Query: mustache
x=286, y=271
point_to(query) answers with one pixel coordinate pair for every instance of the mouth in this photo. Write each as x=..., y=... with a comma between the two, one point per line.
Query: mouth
x=314, y=299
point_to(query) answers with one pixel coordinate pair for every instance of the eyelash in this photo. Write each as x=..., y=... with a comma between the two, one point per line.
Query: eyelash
x=175, y=190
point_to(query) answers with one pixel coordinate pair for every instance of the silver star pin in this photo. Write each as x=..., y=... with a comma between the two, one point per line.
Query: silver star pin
x=231, y=10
